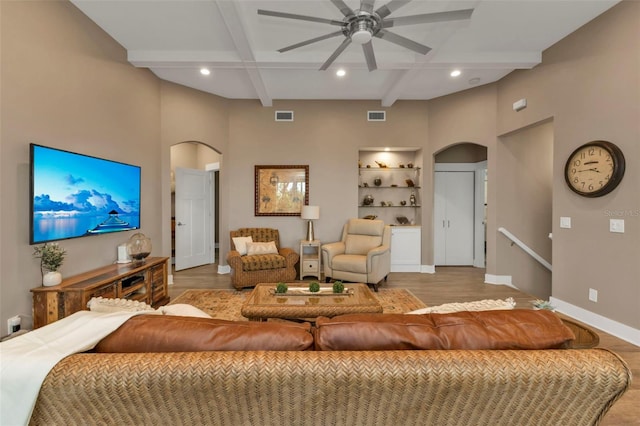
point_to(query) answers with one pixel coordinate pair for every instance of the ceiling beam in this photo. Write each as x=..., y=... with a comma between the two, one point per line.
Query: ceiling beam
x=231, y=18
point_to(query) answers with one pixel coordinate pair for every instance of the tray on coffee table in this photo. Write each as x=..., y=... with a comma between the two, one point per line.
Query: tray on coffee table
x=264, y=303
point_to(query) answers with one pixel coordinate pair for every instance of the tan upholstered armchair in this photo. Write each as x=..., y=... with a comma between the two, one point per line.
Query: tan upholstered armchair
x=363, y=254
x=249, y=270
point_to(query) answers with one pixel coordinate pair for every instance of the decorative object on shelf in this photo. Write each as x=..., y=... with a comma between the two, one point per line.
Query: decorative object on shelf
x=394, y=185
x=310, y=213
x=368, y=166
x=281, y=288
x=51, y=257
x=359, y=164
x=409, y=182
x=383, y=203
x=542, y=304
x=401, y=165
x=368, y=200
x=403, y=202
x=338, y=287
x=370, y=217
x=594, y=169
x=281, y=190
x=381, y=164
x=402, y=220
x=412, y=199
x=389, y=203
x=314, y=287
x=139, y=247
x=377, y=181
x=365, y=184
x=410, y=165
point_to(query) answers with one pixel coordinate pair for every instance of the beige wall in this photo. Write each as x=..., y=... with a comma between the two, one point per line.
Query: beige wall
x=590, y=84
x=327, y=136
x=65, y=83
x=524, y=206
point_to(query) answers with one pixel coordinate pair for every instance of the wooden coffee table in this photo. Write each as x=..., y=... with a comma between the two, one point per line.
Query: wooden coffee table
x=263, y=303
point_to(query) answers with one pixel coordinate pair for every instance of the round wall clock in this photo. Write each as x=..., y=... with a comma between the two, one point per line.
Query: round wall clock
x=594, y=169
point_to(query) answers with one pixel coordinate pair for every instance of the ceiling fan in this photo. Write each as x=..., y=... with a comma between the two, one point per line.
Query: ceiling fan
x=361, y=25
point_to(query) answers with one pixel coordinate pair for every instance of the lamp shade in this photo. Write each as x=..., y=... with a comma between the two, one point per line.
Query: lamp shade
x=310, y=212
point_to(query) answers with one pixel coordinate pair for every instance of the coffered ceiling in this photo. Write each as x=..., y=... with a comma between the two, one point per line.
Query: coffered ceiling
x=176, y=38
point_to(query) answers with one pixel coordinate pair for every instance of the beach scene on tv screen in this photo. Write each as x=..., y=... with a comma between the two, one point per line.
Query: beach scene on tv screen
x=75, y=195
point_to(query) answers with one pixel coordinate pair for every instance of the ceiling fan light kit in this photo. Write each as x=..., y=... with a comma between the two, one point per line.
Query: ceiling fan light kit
x=361, y=25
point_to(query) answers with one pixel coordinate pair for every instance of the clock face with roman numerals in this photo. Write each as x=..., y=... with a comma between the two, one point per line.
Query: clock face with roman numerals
x=594, y=169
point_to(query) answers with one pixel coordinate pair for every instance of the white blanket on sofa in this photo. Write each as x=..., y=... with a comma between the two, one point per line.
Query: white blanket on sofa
x=26, y=360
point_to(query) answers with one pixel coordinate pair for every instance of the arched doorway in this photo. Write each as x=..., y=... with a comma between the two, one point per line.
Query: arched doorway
x=194, y=204
x=460, y=203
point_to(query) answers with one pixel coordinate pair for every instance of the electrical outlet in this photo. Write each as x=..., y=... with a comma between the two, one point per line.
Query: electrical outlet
x=13, y=324
x=565, y=222
x=616, y=225
x=593, y=295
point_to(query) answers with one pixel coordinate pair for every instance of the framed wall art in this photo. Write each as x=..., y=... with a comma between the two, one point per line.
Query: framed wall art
x=281, y=190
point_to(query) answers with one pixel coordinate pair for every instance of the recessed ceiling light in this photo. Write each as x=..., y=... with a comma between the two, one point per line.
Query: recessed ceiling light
x=341, y=73
x=455, y=73
x=205, y=71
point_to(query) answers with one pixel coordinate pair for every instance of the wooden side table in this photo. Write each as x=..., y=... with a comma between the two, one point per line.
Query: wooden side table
x=310, y=258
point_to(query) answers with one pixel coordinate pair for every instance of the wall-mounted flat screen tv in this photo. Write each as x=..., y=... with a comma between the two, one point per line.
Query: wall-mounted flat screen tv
x=75, y=195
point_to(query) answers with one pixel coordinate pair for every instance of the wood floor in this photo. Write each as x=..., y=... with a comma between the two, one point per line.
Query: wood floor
x=456, y=284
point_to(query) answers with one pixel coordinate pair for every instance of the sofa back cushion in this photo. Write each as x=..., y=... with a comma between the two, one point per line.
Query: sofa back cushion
x=363, y=235
x=155, y=333
x=513, y=329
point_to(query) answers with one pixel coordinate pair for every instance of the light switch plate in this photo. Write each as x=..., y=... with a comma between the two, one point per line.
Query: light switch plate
x=565, y=222
x=616, y=225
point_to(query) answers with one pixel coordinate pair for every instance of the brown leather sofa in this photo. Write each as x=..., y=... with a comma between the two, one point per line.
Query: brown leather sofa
x=206, y=371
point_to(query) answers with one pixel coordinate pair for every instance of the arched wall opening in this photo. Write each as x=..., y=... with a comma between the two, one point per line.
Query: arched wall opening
x=196, y=165
x=460, y=205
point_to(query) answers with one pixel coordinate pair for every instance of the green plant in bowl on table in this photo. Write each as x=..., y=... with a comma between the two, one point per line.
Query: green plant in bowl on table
x=281, y=288
x=338, y=287
x=314, y=287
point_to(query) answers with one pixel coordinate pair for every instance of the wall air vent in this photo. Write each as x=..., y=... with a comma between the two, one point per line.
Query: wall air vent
x=376, y=116
x=284, y=115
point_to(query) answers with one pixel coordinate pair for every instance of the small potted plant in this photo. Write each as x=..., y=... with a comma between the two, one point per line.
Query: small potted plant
x=542, y=304
x=51, y=257
x=281, y=288
x=338, y=287
x=314, y=287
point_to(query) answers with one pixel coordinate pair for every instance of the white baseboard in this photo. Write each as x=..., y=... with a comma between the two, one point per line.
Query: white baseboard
x=405, y=268
x=498, y=280
x=224, y=269
x=624, y=332
x=428, y=269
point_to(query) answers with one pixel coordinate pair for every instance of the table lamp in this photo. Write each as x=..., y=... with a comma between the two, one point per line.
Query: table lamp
x=310, y=213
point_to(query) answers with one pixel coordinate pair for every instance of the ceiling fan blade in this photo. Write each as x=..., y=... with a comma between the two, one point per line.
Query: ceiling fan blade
x=335, y=54
x=367, y=5
x=367, y=48
x=300, y=17
x=403, y=41
x=389, y=8
x=313, y=40
x=426, y=18
x=346, y=10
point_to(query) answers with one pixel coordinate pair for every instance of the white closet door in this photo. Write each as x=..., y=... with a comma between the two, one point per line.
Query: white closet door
x=454, y=218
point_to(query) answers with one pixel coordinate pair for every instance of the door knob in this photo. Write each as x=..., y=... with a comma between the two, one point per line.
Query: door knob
x=180, y=224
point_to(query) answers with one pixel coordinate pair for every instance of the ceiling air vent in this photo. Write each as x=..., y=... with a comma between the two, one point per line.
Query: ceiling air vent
x=284, y=115
x=376, y=116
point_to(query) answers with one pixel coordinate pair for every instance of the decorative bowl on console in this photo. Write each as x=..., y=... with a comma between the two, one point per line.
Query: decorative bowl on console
x=139, y=247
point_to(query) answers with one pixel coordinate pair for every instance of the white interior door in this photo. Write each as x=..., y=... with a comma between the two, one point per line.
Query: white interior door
x=454, y=218
x=193, y=205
